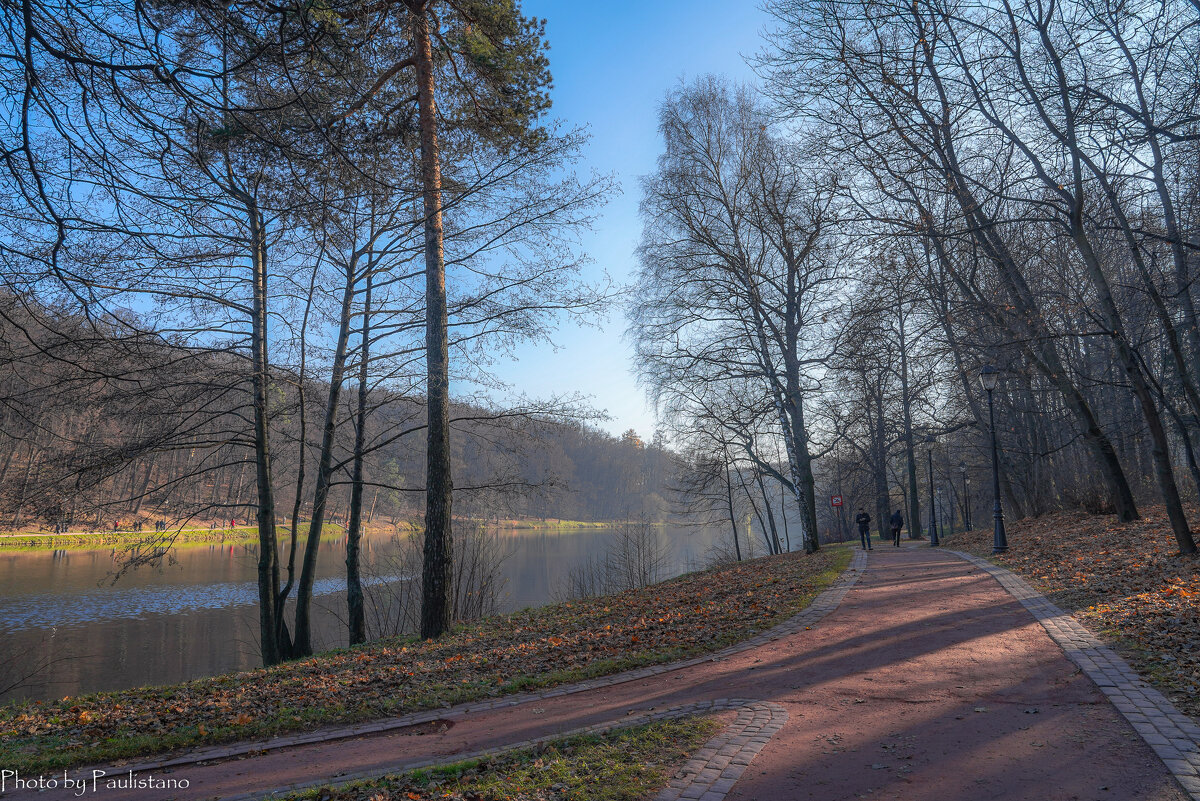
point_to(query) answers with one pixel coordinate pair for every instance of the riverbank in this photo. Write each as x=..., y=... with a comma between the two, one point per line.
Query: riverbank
x=536, y=523
x=1126, y=582
x=691, y=614
x=87, y=540
x=239, y=535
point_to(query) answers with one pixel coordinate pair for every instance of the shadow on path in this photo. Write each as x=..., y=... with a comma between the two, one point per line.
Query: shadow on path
x=928, y=682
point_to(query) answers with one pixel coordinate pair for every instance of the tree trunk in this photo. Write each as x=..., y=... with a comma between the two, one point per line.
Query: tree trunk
x=270, y=618
x=1185, y=439
x=355, y=615
x=23, y=494
x=737, y=548
x=756, y=514
x=879, y=468
x=914, y=498
x=437, y=570
x=1159, y=448
x=141, y=494
x=791, y=414
x=778, y=547
x=302, y=446
x=308, y=567
x=787, y=535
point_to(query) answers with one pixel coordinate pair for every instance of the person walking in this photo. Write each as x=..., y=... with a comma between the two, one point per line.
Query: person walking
x=897, y=523
x=864, y=528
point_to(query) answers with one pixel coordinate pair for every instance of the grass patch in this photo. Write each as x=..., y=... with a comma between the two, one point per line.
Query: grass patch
x=624, y=765
x=1126, y=582
x=691, y=614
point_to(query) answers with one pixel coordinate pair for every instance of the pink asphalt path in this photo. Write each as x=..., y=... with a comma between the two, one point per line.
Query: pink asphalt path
x=928, y=682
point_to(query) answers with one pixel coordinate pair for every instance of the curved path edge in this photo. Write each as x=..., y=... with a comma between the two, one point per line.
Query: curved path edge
x=1172, y=735
x=825, y=603
x=731, y=749
x=713, y=770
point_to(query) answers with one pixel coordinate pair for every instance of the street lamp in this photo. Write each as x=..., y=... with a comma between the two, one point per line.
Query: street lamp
x=966, y=477
x=933, y=531
x=989, y=377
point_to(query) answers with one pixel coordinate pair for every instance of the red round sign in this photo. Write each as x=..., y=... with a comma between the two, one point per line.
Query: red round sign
x=835, y=500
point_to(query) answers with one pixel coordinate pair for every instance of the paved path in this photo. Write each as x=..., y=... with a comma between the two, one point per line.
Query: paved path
x=929, y=680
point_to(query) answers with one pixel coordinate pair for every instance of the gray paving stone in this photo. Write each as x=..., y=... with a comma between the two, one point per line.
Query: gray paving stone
x=1179, y=767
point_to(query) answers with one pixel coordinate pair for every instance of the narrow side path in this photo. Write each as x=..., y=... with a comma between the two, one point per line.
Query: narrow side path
x=928, y=681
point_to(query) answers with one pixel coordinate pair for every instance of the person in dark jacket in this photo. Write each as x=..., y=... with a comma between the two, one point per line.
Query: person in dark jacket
x=864, y=528
x=897, y=524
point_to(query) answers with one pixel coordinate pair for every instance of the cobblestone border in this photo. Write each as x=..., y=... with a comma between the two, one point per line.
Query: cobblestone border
x=822, y=605
x=700, y=778
x=1174, y=736
x=712, y=772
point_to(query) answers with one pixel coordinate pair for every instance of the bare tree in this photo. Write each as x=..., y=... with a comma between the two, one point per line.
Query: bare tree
x=737, y=271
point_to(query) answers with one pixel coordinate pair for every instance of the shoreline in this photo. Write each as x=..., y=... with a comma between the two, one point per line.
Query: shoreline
x=91, y=540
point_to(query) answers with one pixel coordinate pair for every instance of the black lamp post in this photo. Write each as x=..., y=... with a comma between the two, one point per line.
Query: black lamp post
x=989, y=377
x=966, y=477
x=933, y=531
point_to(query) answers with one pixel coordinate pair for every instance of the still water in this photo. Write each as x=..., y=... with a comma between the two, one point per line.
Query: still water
x=196, y=614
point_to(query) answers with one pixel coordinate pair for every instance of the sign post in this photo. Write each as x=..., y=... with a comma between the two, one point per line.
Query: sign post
x=836, y=502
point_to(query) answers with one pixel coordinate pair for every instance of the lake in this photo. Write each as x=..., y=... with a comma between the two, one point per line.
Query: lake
x=196, y=614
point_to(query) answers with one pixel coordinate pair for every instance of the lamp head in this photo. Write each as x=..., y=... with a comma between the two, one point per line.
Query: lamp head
x=989, y=377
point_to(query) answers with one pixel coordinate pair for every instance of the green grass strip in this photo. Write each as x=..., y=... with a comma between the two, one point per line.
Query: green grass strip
x=623, y=765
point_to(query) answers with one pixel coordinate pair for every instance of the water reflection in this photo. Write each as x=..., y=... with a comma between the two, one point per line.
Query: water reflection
x=48, y=611
x=196, y=614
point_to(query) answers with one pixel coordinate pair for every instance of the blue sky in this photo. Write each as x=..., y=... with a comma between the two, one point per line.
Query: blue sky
x=612, y=63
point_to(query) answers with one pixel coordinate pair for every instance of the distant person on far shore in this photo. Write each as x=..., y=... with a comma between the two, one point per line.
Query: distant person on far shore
x=864, y=528
x=897, y=523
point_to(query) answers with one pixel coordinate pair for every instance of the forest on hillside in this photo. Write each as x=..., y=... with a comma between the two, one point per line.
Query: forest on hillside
x=151, y=432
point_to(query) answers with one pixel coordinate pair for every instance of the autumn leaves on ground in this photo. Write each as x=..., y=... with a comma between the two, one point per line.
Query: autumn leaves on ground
x=692, y=614
x=1126, y=582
